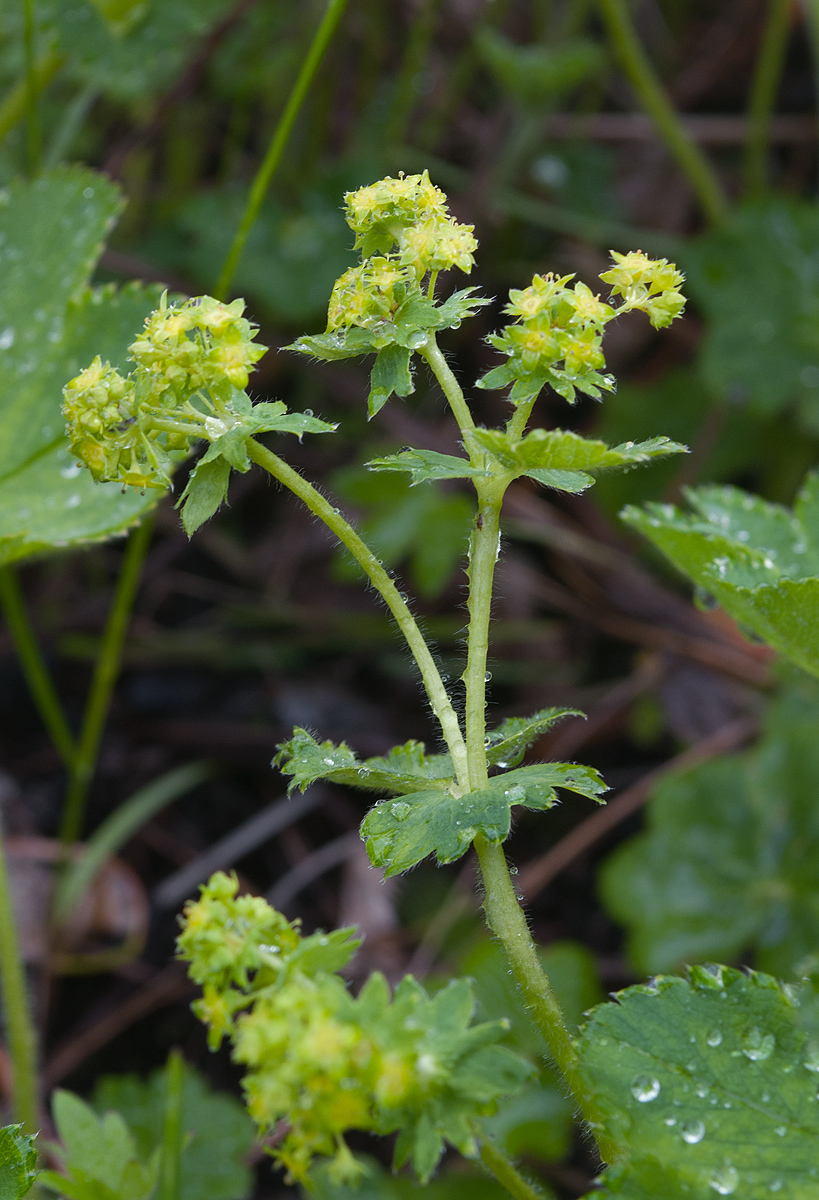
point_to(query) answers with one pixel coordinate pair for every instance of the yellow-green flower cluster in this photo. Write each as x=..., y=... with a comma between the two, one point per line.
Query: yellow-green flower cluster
x=188, y=361
x=648, y=284
x=327, y=1062
x=408, y=219
x=557, y=326
x=99, y=406
x=369, y=294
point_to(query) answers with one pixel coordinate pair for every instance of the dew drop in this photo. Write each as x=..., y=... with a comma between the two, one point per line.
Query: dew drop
x=714, y=1038
x=703, y=1090
x=73, y=501
x=670, y=1121
x=645, y=1088
x=725, y=1181
x=7, y=338
x=757, y=1046
x=781, y=1130
x=328, y=762
x=400, y=810
x=692, y=1132
x=811, y=1062
x=775, y=1185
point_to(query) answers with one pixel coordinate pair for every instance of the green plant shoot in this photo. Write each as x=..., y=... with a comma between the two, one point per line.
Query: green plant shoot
x=327, y=1062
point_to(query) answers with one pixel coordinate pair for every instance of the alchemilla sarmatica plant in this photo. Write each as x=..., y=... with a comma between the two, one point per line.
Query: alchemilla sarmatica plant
x=690, y=1086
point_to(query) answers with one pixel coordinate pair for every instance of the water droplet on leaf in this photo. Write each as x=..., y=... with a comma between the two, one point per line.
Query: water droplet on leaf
x=725, y=1180
x=757, y=1046
x=692, y=1132
x=645, y=1088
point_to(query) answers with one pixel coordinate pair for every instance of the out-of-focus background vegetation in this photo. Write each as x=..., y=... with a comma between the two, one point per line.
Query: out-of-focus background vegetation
x=539, y=119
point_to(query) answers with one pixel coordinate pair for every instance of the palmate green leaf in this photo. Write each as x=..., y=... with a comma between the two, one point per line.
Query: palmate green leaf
x=426, y=465
x=219, y=1133
x=401, y=833
x=708, y=1086
x=18, y=1161
x=756, y=278
x=469, y=1071
x=51, y=325
x=404, y=769
x=730, y=857
x=760, y=561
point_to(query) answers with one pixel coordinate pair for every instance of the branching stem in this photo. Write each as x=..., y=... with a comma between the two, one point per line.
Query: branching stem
x=381, y=581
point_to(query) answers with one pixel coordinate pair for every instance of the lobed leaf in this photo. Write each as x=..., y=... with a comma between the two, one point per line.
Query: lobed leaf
x=18, y=1161
x=506, y=745
x=401, y=833
x=219, y=1133
x=706, y=1085
x=404, y=769
x=425, y=465
x=758, y=560
x=562, y=450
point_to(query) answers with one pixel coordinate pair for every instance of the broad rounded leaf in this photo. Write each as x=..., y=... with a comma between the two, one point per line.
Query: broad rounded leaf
x=707, y=1086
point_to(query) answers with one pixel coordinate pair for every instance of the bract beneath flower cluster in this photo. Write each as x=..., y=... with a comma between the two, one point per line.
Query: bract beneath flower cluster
x=558, y=332
x=327, y=1062
x=190, y=361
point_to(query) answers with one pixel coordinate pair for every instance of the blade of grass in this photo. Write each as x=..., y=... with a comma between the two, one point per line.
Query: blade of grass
x=121, y=825
x=643, y=78
x=13, y=107
x=763, y=93
x=19, y=1028
x=281, y=135
x=106, y=670
x=34, y=668
x=406, y=95
x=170, y=1175
x=33, y=134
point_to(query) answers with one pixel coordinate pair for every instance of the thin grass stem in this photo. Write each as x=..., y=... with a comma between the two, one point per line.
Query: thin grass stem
x=170, y=1173
x=33, y=133
x=106, y=670
x=507, y=1174
x=318, y=46
x=20, y=1033
x=644, y=80
x=765, y=85
x=40, y=683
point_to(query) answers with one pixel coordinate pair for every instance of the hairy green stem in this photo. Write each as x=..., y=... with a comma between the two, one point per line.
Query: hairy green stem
x=106, y=670
x=483, y=554
x=763, y=93
x=644, y=80
x=381, y=581
x=506, y=919
x=281, y=135
x=449, y=384
x=20, y=1033
x=507, y=1175
x=33, y=665
x=33, y=137
x=170, y=1176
